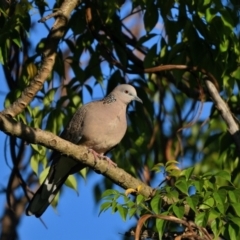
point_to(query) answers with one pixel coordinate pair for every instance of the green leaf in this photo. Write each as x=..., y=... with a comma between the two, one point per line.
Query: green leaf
x=151, y=16
x=48, y=98
x=17, y=41
x=210, y=14
x=83, y=173
x=173, y=195
x=39, y=149
x=178, y=210
x=202, y=218
x=140, y=140
x=213, y=214
x=123, y=212
x=236, y=207
x=78, y=21
x=132, y=211
x=224, y=174
x=109, y=192
x=151, y=58
x=104, y=207
x=232, y=197
x=121, y=53
x=157, y=167
x=56, y=120
x=171, y=162
x=114, y=206
x=187, y=172
x=233, y=231
x=175, y=50
x=220, y=197
x=217, y=227
x=43, y=175
x=139, y=199
x=156, y=204
x=34, y=162
x=235, y=220
x=198, y=184
x=224, y=45
x=1, y=56
x=193, y=202
x=182, y=186
x=71, y=182
x=208, y=185
x=227, y=19
x=160, y=225
x=208, y=203
x=236, y=73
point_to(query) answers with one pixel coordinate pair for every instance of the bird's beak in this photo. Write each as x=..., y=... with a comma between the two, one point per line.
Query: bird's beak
x=136, y=98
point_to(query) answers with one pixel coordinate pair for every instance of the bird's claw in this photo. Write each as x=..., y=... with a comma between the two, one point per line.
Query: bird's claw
x=98, y=156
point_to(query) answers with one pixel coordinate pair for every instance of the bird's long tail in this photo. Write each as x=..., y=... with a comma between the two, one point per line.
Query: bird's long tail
x=58, y=174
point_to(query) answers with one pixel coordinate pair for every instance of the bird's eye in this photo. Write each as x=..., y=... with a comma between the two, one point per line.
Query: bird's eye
x=126, y=91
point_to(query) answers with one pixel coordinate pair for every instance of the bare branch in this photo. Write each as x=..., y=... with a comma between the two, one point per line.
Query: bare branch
x=225, y=112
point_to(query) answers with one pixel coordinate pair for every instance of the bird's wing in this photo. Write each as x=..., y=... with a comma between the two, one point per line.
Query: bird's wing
x=60, y=169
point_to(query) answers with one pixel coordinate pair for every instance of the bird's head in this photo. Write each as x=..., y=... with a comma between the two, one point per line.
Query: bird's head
x=126, y=93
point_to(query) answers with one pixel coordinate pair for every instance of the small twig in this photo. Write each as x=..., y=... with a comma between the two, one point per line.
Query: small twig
x=54, y=14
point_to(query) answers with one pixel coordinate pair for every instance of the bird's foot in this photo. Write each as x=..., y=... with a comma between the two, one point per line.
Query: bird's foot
x=98, y=156
x=110, y=162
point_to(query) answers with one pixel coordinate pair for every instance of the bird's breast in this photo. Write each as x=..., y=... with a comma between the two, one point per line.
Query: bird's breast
x=103, y=131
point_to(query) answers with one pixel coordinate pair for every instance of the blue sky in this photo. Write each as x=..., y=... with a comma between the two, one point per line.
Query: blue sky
x=77, y=216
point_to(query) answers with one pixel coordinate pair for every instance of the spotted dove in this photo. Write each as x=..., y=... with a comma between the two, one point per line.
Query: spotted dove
x=98, y=125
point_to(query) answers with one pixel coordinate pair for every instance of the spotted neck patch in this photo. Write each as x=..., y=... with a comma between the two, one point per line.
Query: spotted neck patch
x=109, y=99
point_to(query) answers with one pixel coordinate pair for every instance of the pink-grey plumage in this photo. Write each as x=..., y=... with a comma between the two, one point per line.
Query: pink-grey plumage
x=98, y=125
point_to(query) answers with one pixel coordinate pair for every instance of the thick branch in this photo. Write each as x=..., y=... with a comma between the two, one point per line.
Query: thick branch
x=225, y=112
x=48, y=59
x=77, y=152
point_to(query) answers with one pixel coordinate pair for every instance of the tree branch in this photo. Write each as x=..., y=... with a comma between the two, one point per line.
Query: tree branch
x=77, y=152
x=48, y=59
x=225, y=112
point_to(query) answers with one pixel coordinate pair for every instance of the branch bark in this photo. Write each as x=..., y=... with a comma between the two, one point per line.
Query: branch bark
x=225, y=112
x=77, y=152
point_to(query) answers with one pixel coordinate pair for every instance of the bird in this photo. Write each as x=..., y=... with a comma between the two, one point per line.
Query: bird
x=98, y=125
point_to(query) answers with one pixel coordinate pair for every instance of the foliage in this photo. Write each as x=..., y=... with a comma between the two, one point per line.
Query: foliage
x=210, y=201
x=113, y=44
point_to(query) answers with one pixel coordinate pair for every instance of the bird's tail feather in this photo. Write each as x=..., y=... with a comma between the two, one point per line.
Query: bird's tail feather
x=58, y=174
x=43, y=197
